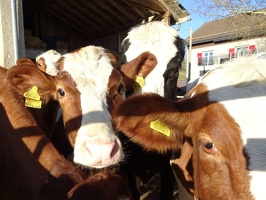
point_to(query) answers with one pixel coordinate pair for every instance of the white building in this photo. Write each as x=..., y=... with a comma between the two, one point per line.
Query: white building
x=221, y=40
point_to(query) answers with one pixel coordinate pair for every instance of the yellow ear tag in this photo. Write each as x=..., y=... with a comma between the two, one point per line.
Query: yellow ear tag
x=32, y=98
x=32, y=94
x=161, y=127
x=33, y=103
x=139, y=83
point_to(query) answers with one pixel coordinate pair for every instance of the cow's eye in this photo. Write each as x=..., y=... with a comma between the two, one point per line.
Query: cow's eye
x=40, y=64
x=210, y=148
x=209, y=145
x=61, y=92
x=120, y=89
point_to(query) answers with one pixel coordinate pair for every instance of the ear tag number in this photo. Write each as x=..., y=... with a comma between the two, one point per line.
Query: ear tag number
x=139, y=83
x=33, y=103
x=160, y=127
x=33, y=98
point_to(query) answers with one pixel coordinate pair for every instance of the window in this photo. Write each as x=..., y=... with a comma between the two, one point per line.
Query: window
x=207, y=58
x=242, y=51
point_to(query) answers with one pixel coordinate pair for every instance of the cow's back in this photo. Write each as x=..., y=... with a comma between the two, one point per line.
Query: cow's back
x=26, y=153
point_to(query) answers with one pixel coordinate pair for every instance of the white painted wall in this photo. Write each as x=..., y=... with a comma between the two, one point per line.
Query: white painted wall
x=12, y=44
x=220, y=49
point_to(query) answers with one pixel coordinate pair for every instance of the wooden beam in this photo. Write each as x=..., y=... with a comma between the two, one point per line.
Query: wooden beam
x=134, y=8
x=84, y=15
x=112, y=12
x=114, y=30
x=105, y=17
x=68, y=20
x=153, y=5
x=122, y=9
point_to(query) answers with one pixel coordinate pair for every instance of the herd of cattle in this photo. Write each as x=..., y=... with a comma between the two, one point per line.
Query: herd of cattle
x=85, y=124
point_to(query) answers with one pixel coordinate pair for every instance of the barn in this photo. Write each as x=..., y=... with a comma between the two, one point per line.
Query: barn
x=40, y=25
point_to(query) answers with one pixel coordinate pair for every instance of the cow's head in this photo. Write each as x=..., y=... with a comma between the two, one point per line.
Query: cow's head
x=87, y=88
x=210, y=129
x=47, y=62
x=162, y=41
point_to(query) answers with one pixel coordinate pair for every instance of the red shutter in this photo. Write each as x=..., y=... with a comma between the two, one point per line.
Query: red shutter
x=199, y=55
x=231, y=53
x=251, y=49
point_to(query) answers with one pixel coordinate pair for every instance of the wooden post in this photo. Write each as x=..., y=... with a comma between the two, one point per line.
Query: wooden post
x=189, y=56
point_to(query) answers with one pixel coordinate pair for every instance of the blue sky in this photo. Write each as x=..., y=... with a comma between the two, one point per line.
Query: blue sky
x=198, y=20
x=195, y=22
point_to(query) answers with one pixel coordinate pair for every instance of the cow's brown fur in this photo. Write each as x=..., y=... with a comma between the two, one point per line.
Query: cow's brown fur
x=219, y=164
x=140, y=66
x=27, y=154
x=29, y=161
x=102, y=186
x=68, y=182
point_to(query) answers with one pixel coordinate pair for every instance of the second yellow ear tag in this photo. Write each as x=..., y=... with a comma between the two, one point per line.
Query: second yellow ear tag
x=32, y=99
x=139, y=83
x=161, y=127
x=32, y=94
x=33, y=103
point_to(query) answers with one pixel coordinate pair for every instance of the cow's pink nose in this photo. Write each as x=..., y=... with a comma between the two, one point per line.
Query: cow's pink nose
x=103, y=154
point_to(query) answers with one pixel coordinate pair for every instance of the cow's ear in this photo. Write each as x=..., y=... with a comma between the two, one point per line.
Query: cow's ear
x=151, y=121
x=25, y=77
x=25, y=61
x=138, y=67
x=113, y=58
x=60, y=64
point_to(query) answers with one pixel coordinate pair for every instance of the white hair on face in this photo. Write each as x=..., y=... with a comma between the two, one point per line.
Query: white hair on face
x=90, y=67
x=50, y=57
x=152, y=32
x=158, y=38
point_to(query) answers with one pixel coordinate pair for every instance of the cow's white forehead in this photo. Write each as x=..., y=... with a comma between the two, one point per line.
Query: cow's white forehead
x=50, y=55
x=90, y=67
x=148, y=33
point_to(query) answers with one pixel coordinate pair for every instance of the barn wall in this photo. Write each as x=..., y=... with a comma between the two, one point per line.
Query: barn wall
x=111, y=42
x=52, y=32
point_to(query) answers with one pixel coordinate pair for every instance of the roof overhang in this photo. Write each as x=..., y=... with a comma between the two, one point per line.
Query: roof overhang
x=179, y=13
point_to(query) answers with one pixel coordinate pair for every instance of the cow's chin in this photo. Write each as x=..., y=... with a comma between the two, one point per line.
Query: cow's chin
x=98, y=155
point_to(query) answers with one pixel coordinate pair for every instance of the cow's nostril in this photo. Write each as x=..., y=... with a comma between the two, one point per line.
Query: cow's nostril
x=115, y=149
x=102, y=152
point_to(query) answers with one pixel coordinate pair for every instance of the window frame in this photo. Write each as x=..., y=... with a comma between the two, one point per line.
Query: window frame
x=207, y=58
